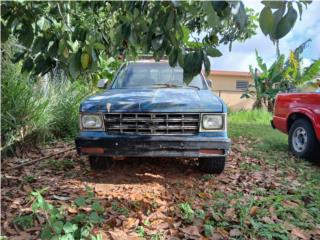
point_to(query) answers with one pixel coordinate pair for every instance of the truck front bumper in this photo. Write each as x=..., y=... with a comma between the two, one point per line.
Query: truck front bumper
x=153, y=146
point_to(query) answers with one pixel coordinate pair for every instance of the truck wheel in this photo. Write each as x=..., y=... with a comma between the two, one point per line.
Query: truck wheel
x=212, y=164
x=302, y=140
x=99, y=163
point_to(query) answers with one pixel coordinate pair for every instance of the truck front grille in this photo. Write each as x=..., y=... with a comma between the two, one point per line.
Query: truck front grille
x=152, y=123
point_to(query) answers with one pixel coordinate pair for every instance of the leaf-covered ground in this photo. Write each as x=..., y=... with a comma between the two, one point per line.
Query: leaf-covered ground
x=264, y=193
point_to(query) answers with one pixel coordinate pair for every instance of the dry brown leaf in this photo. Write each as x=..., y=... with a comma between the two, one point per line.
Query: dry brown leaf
x=72, y=210
x=118, y=235
x=27, y=188
x=253, y=211
x=300, y=234
x=216, y=236
x=222, y=231
x=191, y=231
x=274, y=216
x=130, y=223
x=231, y=214
x=234, y=232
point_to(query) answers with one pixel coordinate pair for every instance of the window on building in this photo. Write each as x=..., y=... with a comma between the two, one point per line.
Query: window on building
x=242, y=85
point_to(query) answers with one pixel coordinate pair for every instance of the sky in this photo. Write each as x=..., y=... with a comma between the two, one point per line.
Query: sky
x=243, y=54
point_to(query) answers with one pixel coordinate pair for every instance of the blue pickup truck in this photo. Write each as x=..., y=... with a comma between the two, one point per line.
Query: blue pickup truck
x=149, y=111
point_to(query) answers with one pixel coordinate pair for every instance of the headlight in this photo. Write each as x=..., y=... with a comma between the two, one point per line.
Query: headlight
x=91, y=121
x=212, y=122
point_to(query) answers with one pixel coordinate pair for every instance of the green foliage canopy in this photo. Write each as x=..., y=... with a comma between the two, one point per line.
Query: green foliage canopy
x=72, y=35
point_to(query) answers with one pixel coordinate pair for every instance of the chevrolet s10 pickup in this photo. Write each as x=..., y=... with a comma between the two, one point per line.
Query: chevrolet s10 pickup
x=148, y=111
x=298, y=115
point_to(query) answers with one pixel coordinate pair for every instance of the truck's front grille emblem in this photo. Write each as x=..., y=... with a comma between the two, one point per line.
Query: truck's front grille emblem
x=152, y=123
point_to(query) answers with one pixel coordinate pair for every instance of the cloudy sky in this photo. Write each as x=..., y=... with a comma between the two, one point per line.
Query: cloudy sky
x=243, y=54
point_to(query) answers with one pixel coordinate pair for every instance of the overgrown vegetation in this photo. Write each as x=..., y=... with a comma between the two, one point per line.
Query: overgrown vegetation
x=282, y=76
x=37, y=110
x=58, y=225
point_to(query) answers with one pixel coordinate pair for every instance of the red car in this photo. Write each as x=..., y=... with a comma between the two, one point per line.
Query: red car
x=298, y=114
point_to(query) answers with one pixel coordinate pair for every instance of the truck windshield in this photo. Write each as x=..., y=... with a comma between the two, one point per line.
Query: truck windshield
x=154, y=75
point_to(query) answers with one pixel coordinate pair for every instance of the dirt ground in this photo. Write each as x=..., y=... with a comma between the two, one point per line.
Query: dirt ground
x=147, y=194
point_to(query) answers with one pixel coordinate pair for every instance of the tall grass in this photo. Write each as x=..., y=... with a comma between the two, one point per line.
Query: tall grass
x=35, y=111
x=250, y=116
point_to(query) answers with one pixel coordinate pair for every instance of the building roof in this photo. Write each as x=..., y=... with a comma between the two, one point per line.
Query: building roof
x=230, y=73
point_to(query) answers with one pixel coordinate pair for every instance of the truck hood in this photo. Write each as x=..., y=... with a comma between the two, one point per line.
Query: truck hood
x=154, y=100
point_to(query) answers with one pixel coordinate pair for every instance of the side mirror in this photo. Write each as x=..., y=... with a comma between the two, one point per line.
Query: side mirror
x=209, y=83
x=102, y=83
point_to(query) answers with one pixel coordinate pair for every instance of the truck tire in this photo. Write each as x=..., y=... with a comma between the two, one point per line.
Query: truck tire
x=302, y=140
x=212, y=164
x=99, y=163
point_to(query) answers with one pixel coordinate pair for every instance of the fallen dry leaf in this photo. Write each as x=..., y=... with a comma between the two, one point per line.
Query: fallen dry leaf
x=117, y=234
x=234, y=232
x=192, y=231
x=253, y=211
x=130, y=223
x=299, y=233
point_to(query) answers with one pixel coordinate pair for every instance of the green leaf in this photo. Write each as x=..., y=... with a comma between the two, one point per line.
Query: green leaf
x=157, y=42
x=43, y=24
x=27, y=65
x=53, y=49
x=95, y=218
x=274, y=4
x=57, y=226
x=266, y=20
x=207, y=64
x=192, y=65
x=80, y=218
x=208, y=230
x=241, y=16
x=18, y=56
x=69, y=227
x=286, y=23
x=46, y=233
x=98, y=46
x=80, y=201
x=96, y=206
x=181, y=58
x=213, y=19
x=277, y=16
x=85, y=59
x=170, y=20
x=219, y=6
x=213, y=52
x=26, y=35
x=173, y=57
x=39, y=44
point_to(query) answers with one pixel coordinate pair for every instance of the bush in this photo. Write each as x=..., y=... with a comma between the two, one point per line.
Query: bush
x=25, y=112
x=65, y=100
x=36, y=111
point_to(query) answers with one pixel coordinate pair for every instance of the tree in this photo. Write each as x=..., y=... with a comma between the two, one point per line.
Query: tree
x=72, y=35
x=281, y=76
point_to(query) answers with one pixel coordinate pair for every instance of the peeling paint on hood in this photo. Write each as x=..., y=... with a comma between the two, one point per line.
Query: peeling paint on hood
x=154, y=100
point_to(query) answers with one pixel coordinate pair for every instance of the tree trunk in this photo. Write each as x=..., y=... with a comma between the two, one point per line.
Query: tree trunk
x=270, y=105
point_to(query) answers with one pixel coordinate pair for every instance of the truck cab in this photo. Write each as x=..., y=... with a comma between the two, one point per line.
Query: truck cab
x=149, y=111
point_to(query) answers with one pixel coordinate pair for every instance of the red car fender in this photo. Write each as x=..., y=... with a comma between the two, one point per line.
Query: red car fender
x=308, y=113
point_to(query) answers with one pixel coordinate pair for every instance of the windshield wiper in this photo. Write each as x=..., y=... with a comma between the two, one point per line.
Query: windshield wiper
x=167, y=85
x=193, y=86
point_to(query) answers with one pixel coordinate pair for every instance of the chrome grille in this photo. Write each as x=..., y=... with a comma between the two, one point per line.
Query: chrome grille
x=152, y=123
